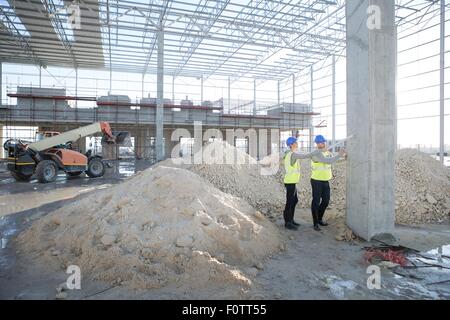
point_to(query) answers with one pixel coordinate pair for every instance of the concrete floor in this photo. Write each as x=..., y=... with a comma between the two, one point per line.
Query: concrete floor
x=314, y=265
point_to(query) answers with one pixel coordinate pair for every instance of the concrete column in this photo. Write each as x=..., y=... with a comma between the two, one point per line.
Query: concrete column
x=173, y=90
x=224, y=134
x=371, y=65
x=272, y=137
x=1, y=87
x=40, y=76
x=142, y=86
x=311, y=139
x=274, y=140
x=293, y=88
x=333, y=101
x=278, y=91
x=76, y=86
x=201, y=90
x=142, y=143
x=146, y=135
x=442, y=85
x=311, y=91
x=151, y=150
x=138, y=144
x=160, y=99
x=268, y=142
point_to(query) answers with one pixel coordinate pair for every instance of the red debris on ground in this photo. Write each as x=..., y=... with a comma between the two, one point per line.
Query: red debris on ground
x=385, y=255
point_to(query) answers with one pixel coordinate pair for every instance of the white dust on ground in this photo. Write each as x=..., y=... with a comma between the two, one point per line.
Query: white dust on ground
x=163, y=226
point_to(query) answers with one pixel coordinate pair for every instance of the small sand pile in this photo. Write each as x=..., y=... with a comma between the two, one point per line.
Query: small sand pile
x=242, y=177
x=422, y=188
x=162, y=226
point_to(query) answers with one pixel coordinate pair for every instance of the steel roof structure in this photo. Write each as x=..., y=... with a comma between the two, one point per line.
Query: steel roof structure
x=264, y=39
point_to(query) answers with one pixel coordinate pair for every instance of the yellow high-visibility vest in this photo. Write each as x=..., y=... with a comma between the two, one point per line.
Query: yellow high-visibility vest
x=292, y=175
x=321, y=171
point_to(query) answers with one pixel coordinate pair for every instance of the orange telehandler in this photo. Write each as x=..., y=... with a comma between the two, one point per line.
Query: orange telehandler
x=46, y=157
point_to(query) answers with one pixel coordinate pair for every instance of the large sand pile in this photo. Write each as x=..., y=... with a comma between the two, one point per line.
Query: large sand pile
x=164, y=225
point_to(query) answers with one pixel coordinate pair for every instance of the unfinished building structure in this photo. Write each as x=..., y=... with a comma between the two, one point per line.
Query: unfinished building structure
x=286, y=42
x=48, y=109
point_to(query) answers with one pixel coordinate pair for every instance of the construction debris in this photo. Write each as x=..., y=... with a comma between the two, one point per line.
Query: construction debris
x=422, y=188
x=164, y=225
x=397, y=257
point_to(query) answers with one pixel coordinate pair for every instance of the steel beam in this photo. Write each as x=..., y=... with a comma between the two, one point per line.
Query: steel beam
x=442, y=84
x=160, y=99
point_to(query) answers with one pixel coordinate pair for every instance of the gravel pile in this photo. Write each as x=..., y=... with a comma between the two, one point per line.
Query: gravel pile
x=422, y=188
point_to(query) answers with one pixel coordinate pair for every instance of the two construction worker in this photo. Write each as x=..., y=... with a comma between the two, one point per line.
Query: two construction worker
x=321, y=160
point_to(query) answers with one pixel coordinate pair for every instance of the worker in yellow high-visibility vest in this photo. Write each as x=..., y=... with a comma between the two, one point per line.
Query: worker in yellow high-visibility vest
x=321, y=174
x=292, y=177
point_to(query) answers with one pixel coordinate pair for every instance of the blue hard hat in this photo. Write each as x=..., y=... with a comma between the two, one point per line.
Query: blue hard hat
x=290, y=141
x=320, y=139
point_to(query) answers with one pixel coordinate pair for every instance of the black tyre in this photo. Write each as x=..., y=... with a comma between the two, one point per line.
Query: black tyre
x=21, y=177
x=96, y=168
x=74, y=173
x=46, y=171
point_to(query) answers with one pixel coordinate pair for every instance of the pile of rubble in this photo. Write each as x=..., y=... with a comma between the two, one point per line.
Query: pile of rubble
x=422, y=188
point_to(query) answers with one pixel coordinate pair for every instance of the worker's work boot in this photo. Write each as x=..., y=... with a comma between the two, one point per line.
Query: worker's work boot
x=316, y=227
x=295, y=223
x=323, y=224
x=290, y=226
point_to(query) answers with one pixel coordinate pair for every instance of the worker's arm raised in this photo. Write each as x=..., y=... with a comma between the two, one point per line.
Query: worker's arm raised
x=299, y=156
x=319, y=157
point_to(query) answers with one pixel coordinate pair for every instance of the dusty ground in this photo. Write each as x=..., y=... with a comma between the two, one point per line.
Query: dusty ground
x=314, y=265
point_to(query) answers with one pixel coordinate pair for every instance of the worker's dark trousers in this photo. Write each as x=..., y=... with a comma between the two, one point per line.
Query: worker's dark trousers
x=320, y=199
x=291, y=202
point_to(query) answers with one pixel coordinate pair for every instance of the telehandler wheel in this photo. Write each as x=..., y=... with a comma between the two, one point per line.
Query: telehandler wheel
x=96, y=168
x=46, y=171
